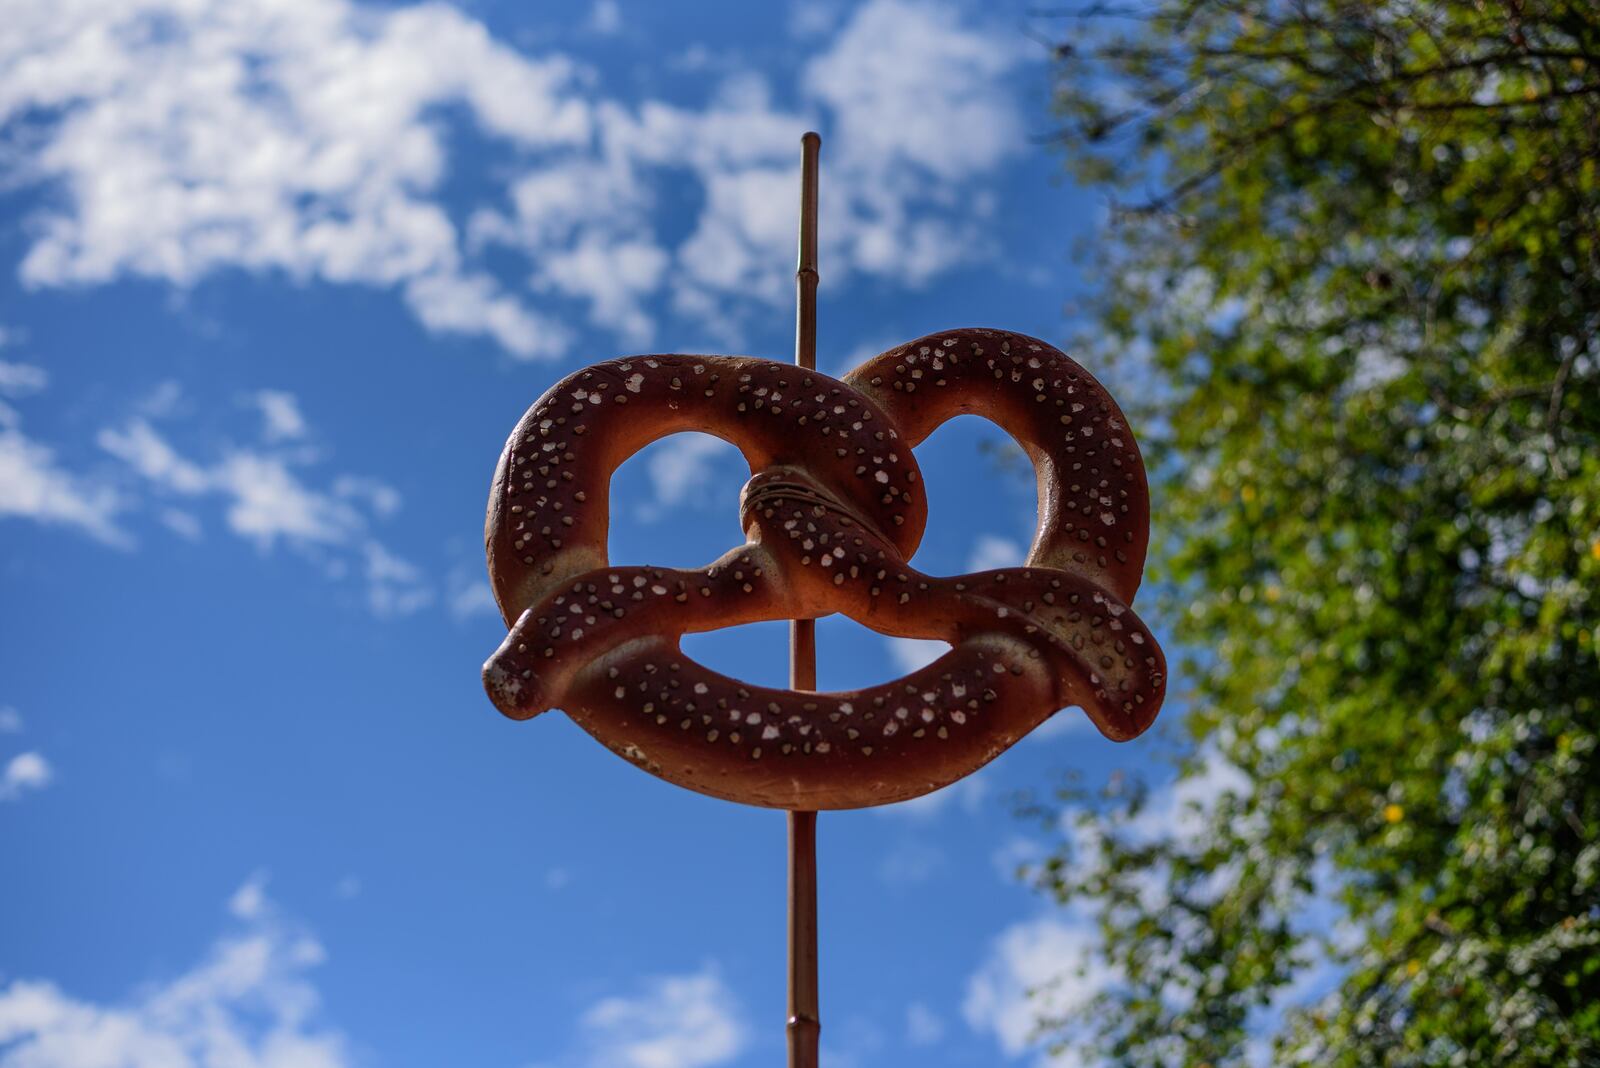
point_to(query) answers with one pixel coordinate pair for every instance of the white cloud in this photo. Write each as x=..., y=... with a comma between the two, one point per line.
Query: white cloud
x=147, y=452
x=912, y=654
x=33, y=486
x=1039, y=967
x=249, y=901
x=21, y=379
x=474, y=304
x=382, y=498
x=293, y=137
x=921, y=103
x=267, y=502
x=247, y=1005
x=395, y=587
x=923, y=1025
x=182, y=523
x=682, y=466
x=280, y=415
x=614, y=276
x=605, y=17
x=812, y=18
x=473, y=598
x=853, y=1042
x=911, y=85
x=304, y=137
x=747, y=222
x=18, y=379
x=910, y=862
x=166, y=399
x=1015, y=852
x=24, y=772
x=677, y=1021
x=902, y=83
x=966, y=794
x=991, y=553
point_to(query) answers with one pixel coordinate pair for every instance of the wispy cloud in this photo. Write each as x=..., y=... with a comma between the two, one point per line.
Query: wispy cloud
x=302, y=137
x=909, y=862
x=249, y=1002
x=1039, y=968
x=470, y=597
x=395, y=587
x=33, y=485
x=605, y=17
x=280, y=415
x=23, y=773
x=682, y=467
x=912, y=654
x=269, y=136
x=139, y=446
x=264, y=496
x=924, y=1027
x=21, y=379
x=992, y=552
x=967, y=795
x=266, y=501
x=675, y=1021
x=184, y=524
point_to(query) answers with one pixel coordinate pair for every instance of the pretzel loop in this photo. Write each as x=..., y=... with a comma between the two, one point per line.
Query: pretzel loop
x=832, y=511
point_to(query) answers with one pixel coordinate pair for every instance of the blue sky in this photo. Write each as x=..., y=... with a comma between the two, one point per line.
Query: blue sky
x=277, y=277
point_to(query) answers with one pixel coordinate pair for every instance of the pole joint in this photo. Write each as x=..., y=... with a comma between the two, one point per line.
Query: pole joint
x=805, y=1018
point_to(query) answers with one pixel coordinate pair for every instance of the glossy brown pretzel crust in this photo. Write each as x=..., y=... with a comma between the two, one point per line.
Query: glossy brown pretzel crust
x=832, y=512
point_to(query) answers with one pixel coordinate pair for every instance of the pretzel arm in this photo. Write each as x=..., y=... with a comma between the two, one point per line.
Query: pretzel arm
x=1104, y=657
x=796, y=750
x=600, y=610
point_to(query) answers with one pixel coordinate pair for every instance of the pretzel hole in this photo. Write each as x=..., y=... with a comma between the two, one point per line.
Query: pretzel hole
x=1070, y=720
x=756, y=653
x=981, y=492
x=853, y=657
x=675, y=502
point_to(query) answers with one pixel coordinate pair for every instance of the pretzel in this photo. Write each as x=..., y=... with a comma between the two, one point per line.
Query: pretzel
x=832, y=512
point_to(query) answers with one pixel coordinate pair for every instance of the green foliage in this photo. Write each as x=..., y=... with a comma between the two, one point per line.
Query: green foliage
x=1355, y=250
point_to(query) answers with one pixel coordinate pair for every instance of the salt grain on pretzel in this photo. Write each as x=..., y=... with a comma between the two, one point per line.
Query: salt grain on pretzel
x=832, y=512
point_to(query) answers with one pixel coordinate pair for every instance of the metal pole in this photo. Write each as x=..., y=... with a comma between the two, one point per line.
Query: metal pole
x=805, y=1019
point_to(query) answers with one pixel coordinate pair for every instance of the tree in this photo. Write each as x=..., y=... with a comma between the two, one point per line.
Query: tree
x=1354, y=247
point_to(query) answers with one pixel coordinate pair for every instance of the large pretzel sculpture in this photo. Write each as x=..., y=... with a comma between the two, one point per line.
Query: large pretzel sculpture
x=833, y=510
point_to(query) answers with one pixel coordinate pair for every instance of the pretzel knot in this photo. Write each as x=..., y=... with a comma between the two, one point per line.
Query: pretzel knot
x=832, y=512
